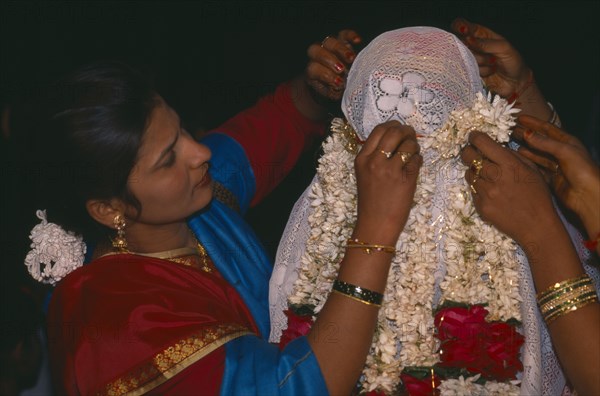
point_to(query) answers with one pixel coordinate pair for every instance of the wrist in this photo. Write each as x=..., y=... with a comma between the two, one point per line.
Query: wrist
x=529, y=98
x=307, y=101
x=589, y=214
x=522, y=85
x=545, y=229
x=377, y=233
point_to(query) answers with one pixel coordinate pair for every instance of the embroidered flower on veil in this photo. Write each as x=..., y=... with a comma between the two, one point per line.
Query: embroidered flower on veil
x=401, y=96
x=54, y=252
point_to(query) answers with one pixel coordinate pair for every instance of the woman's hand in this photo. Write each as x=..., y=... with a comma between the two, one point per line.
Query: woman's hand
x=329, y=62
x=500, y=64
x=387, y=168
x=502, y=68
x=508, y=192
x=571, y=171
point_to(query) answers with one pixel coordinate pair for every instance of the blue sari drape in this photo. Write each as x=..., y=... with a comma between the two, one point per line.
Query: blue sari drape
x=253, y=366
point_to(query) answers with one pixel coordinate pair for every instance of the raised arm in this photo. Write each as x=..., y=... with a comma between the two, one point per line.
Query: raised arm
x=274, y=132
x=343, y=331
x=572, y=173
x=512, y=195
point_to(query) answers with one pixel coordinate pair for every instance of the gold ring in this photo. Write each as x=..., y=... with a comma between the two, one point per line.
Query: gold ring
x=388, y=154
x=472, y=186
x=404, y=156
x=325, y=39
x=476, y=167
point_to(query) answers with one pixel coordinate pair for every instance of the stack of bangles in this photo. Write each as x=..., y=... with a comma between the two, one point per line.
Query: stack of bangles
x=565, y=297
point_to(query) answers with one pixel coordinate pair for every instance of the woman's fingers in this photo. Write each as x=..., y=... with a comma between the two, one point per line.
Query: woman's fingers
x=388, y=137
x=349, y=37
x=341, y=50
x=529, y=123
x=489, y=148
x=538, y=159
x=479, y=165
x=463, y=28
x=325, y=75
x=387, y=168
x=326, y=57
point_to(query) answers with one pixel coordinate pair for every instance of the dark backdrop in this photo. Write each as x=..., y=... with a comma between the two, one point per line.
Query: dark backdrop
x=212, y=59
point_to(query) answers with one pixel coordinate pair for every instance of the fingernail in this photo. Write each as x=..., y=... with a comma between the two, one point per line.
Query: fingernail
x=493, y=59
x=471, y=40
x=528, y=133
x=338, y=67
x=462, y=29
x=357, y=39
x=350, y=56
x=338, y=81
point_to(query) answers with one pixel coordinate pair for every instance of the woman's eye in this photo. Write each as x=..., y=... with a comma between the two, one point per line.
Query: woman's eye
x=170, y=161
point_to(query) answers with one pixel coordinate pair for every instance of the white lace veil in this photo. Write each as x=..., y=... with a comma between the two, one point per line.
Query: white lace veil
x=414, y=75
x=418, y=76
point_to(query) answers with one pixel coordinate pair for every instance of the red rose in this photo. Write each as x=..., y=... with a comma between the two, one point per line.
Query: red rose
x=421, y=387
x=297, y=326
x=468, y=341
x=503, y=344
x=459, y=353
x=462, y=323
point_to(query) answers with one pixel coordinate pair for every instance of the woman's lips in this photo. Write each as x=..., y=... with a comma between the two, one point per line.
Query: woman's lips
x=204, y=182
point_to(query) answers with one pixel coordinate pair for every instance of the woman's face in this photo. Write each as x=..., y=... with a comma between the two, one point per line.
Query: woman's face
x=170, y=178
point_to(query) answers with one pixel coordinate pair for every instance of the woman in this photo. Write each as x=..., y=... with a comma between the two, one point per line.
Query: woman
x=178, y=304
x=425, y=78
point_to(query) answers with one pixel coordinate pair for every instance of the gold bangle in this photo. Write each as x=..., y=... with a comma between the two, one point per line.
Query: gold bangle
x=559, y=286
x=368, y=247
x=570, y=307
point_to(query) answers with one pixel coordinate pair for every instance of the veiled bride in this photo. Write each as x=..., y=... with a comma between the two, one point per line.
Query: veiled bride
x=454, y=277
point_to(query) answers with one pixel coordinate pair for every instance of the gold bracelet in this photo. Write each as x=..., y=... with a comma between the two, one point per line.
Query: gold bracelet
x=368, y=247
x=565, y=297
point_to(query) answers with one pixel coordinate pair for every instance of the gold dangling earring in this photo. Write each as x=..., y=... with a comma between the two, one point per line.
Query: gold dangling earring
x=120, y=243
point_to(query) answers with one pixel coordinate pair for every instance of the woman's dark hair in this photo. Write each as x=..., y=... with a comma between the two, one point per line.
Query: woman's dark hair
x=86, y=143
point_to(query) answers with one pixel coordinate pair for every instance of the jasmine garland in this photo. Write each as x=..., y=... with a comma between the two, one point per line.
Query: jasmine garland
x=446, y=253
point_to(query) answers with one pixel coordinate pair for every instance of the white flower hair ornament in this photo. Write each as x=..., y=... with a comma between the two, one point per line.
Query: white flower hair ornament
x=54, y=252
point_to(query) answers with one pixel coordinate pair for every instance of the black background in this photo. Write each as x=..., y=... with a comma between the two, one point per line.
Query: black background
x=212, y=59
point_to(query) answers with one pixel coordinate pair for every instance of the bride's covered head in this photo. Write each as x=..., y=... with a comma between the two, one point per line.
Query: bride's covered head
x=415, y=75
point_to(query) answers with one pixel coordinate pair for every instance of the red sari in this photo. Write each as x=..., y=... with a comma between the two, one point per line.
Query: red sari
x=172, y=320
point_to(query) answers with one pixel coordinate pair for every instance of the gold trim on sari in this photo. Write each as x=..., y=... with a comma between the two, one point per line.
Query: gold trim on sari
x=173, y=360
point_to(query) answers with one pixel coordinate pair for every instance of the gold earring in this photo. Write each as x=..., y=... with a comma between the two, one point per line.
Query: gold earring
x=120, y=243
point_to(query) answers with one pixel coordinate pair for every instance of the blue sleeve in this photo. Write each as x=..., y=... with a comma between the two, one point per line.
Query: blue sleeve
x=230, y=167
x=255, y=367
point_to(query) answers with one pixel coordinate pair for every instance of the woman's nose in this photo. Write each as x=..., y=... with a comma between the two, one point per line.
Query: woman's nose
x=200, y=154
